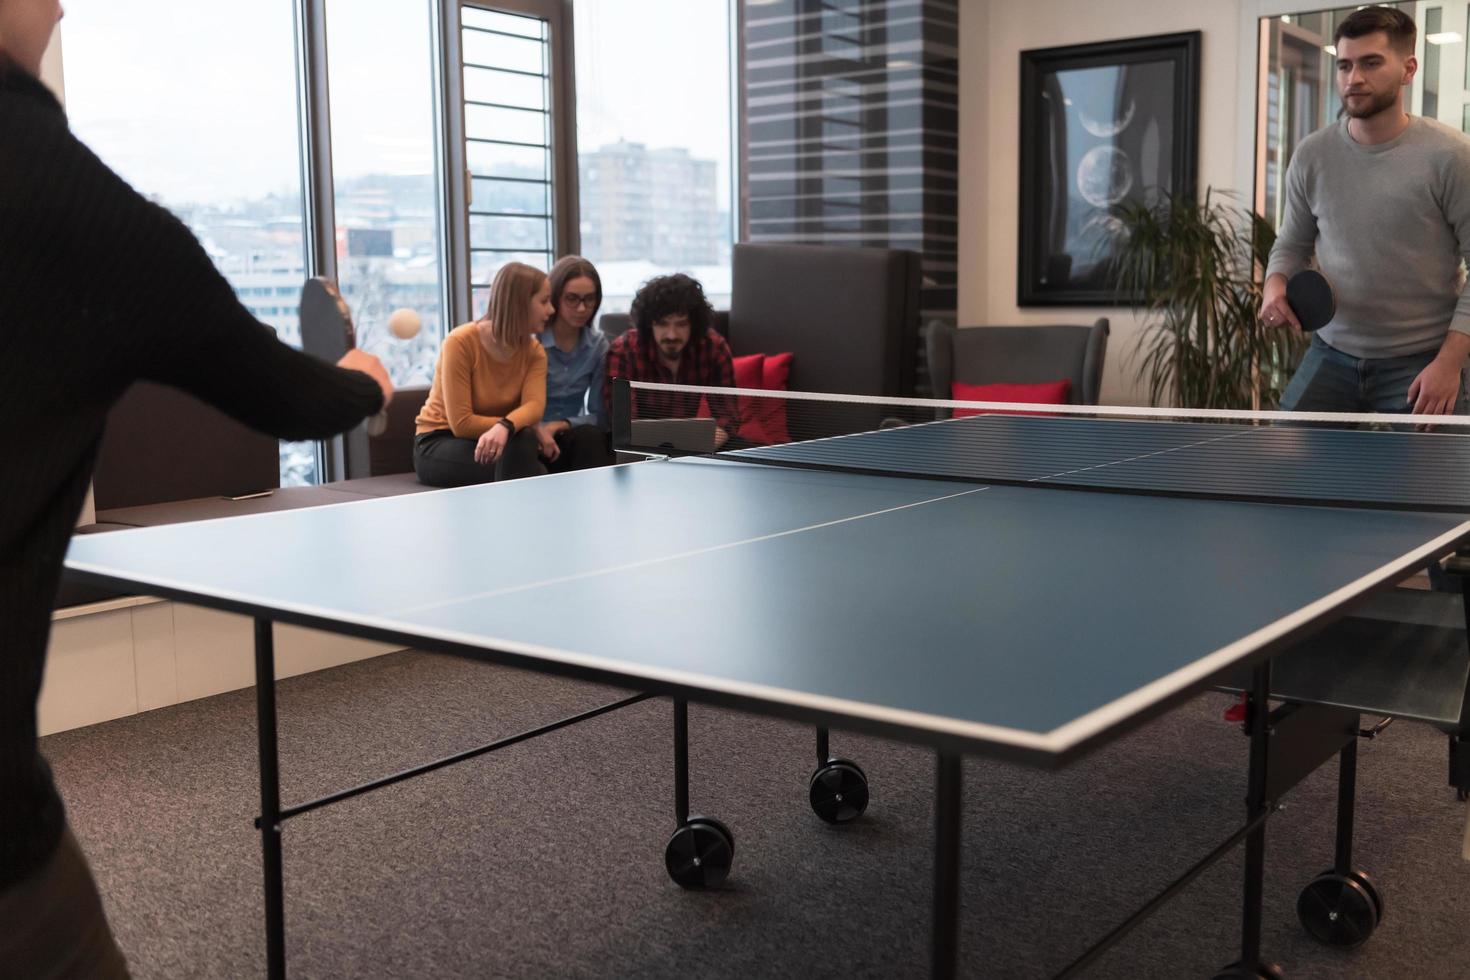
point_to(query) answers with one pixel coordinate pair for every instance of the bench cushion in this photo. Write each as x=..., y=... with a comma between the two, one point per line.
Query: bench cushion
x=388, y=485
x=392, y=451
x=207, y=508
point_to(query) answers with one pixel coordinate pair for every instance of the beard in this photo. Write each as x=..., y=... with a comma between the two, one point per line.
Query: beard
x=1375, y=103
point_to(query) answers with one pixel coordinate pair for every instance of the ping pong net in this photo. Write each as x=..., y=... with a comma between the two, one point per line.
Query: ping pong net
x=1336, y=459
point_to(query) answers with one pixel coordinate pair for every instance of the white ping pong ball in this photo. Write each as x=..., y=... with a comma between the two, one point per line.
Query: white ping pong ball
x=404, y=323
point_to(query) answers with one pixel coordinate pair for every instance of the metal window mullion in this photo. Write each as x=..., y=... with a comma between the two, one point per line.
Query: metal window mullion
x=316, y=138
x=319, y=209
x=457, y=187
x=508, y=71
x=491, y=30
x=511, y=180
x=560, y=132
x=495, y=142
x=508, y=251
x=565, y=194
x=739, y=165
x=442, y=165
x=504, y=105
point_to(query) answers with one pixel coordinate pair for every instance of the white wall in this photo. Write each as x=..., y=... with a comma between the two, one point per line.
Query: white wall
x=993, y=33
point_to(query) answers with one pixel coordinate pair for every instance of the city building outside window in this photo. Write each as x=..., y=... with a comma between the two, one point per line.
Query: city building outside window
x=207, y=131
x=211, y=133
x=386, y=178
x=654, y=131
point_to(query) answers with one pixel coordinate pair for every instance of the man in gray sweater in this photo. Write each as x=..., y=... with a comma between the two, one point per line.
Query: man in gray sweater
x=1383, y=199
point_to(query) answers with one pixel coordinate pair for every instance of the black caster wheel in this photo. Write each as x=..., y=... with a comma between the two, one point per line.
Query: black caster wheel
x=1261, y=971
x=1339, y=910
x=839, y=791
x=699, y=853
x=1362, y=878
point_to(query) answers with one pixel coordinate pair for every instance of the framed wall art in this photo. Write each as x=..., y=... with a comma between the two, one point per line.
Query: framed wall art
x=1101, y=124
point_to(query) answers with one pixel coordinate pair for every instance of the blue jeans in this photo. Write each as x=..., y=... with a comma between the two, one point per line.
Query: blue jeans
x=1330, y=381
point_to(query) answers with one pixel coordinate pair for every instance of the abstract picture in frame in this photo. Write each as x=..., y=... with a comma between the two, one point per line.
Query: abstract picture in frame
x=1102, y=124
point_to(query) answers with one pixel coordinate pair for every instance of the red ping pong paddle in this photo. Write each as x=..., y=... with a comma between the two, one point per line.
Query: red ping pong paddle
x=1309, y=295
x=327, y=331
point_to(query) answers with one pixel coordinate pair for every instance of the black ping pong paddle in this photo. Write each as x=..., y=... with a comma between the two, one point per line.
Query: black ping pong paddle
x=1309, y=295
x=327, y=331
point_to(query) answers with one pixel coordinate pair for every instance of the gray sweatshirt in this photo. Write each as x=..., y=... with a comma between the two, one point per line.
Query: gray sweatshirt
x=1389, y=225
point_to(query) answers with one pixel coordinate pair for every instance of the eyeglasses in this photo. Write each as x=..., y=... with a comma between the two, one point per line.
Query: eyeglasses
x=584, y=302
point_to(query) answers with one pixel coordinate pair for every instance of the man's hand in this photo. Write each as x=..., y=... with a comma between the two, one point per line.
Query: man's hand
x=546, y=438
x=1275, y=310
x=721, y=437
x=1437, y=387
x=491, y=445
x=360, y=360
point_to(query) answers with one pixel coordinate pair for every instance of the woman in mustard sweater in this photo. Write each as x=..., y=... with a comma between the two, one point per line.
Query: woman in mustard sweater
x=489, y=391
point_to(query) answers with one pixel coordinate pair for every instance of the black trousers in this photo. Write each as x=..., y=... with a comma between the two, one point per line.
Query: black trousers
x=582, y=447
x=440, y=459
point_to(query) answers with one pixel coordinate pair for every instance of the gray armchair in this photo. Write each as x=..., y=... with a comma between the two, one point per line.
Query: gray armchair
x=1018, y=355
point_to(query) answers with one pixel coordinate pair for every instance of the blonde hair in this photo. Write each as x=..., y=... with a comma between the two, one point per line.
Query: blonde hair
x=510, y=303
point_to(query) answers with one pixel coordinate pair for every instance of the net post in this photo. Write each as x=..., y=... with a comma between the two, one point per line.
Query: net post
x=622, y=413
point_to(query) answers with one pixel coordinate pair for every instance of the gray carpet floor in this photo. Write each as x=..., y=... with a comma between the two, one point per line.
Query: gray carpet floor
x=546, y=859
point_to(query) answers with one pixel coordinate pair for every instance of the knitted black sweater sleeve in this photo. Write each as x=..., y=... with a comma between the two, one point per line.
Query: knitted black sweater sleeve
x=168, y=314
x=99, y=288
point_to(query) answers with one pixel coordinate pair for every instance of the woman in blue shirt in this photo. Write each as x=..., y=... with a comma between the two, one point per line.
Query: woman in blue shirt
x=573, y=434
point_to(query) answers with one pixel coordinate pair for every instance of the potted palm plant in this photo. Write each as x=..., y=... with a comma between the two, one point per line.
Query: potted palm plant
x=1192, y=268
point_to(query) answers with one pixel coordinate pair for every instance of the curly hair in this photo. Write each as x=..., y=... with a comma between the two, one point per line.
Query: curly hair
x=666, y=296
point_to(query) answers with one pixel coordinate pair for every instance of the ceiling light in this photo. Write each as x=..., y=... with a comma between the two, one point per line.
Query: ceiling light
x=1444, y=37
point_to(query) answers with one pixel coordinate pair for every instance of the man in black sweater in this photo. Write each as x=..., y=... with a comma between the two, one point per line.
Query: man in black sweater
x=98, y=288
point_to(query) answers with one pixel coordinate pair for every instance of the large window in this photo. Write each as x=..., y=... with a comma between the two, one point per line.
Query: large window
x=208, y=131
x=654, y=133
x=386, y=177
x=213, y=133
x=1298, y=82
x=508, y=112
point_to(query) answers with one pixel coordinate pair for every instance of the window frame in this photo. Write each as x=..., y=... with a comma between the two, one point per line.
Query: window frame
x=565, y=225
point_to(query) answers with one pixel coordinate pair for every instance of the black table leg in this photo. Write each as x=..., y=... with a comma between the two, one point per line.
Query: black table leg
x=1347, y=782
x=681, y=761
x=270, y=799
x=946, y=865
x=701, y=851
x=1255, y=805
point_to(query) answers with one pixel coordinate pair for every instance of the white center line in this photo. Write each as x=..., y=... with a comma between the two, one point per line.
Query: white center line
x=1134, y=459
x=612, y=569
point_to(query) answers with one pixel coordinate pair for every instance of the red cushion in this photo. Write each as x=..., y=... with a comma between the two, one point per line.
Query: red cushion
x=776, y=370
x=765, y=418
x=1043, y=393
x=749, y=373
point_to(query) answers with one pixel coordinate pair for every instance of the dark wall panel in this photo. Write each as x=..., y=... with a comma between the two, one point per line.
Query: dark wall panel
x=851, y=132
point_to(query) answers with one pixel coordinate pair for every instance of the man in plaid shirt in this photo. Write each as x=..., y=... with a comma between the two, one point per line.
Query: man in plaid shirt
x=671, y=341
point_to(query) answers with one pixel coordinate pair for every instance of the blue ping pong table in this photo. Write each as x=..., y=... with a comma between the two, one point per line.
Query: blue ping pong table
x=1060, y=582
